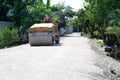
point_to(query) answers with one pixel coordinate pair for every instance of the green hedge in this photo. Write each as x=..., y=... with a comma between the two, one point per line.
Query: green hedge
x=8, y=37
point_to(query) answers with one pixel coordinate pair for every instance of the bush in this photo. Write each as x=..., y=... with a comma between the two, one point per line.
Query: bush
x=8, y=37
x=113, y=30
x=113, y=36
x=97, y=35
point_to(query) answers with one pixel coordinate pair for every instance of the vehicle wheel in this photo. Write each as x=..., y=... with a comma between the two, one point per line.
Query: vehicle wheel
x=57, y=41
x=52, y=40
x=31, y=44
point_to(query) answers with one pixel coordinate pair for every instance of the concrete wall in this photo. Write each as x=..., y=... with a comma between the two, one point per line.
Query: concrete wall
x=69, y=29
x=5, y=24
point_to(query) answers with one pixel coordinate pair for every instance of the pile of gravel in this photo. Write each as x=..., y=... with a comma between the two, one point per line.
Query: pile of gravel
x=111, y=67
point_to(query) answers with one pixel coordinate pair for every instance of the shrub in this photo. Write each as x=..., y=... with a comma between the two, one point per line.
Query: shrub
x=113, y=36
x=8, y=37
x=113, y=30
x=97, y=34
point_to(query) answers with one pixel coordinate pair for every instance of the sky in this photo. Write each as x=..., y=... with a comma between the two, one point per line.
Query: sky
x=75, y=4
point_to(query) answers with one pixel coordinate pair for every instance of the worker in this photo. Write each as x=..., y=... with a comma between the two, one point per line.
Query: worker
x=47, y=19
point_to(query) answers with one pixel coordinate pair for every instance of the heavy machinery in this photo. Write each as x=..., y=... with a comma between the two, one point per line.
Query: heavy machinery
x=43, y=34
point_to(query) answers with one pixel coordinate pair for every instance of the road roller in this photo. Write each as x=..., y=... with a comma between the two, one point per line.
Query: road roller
x=43, y=34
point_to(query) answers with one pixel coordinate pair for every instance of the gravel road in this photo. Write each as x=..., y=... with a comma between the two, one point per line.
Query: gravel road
x=72, y=59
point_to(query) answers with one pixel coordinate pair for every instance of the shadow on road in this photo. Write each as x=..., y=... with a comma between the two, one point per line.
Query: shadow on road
x=59, y=44
x=71, y=36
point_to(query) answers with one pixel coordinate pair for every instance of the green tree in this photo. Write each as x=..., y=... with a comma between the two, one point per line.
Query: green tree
x=58, y=14
x=81, y=16
x=68, y=11
x=40, y=4
x=115, y=18
x=4, y=7
x=48, y=4
x=97, y=12
x=75, y=23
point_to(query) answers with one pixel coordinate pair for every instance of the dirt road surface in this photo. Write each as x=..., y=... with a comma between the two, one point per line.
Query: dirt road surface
x=72, y=59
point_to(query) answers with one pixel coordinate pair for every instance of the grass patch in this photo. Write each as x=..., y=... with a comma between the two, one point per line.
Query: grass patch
x=98, y=41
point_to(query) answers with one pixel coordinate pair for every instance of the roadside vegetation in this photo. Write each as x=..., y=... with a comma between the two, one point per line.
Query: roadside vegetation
x=8, y=37
x=101, y=20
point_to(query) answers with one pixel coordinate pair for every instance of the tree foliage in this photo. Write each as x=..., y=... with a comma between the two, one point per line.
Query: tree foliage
x=60, y=13
x=100, y=14
x=48, y=4
x=40, y=4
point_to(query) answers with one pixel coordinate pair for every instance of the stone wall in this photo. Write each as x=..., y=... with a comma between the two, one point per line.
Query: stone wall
x=5, y=24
